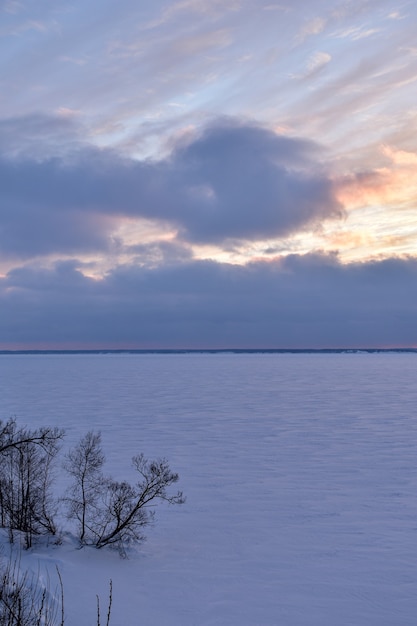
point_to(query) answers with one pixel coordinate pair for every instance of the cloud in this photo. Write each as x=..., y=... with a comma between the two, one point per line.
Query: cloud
x=306, y=301
x=394, y=183
x=245, y=182
x=201, y=43
x=159, y=253
x=235, y=181
x=39, y=136
x=317, y=61
x=12, y=6
x=312, y=27
x=206, y=7
x=357, y=32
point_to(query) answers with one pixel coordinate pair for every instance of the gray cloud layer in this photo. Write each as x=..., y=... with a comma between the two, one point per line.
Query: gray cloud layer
x=301, y=301
x=235, y=181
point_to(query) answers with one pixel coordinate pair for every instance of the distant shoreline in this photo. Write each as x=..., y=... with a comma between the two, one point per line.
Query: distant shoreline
x=214, y=351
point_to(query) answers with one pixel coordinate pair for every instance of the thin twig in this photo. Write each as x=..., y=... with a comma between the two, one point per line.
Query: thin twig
x=98, y=610
x=110, y=602
x=61, y=585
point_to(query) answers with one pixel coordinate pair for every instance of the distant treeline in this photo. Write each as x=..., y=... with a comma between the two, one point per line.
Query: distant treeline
x=221, y=351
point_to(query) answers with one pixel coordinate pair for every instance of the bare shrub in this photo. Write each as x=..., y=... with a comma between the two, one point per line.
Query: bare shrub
x=24, y=601
x=109, y=512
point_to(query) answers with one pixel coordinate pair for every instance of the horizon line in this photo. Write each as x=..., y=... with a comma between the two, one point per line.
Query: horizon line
x=203, y=350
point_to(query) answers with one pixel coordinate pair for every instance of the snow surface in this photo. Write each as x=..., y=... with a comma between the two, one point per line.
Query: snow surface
x=300, y=477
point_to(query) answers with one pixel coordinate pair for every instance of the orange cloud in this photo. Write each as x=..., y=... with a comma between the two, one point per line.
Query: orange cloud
x=395, y=183
x=347, y=239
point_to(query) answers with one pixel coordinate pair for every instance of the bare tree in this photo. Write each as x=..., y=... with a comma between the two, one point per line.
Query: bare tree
x=110, y=512
x=84, y=463
x=12, y=436
x=26, y=461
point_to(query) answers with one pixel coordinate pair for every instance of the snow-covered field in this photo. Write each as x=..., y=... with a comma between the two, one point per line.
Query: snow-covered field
x=300, y=473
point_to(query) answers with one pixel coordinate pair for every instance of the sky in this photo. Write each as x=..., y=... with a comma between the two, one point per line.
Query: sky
x=208, y=174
